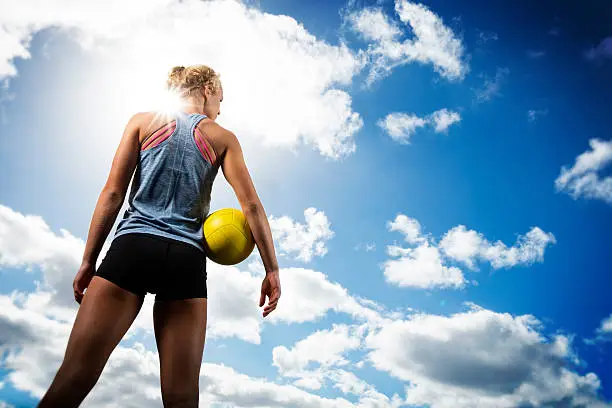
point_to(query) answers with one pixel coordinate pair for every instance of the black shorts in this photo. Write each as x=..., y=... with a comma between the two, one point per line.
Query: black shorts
x=141, y=263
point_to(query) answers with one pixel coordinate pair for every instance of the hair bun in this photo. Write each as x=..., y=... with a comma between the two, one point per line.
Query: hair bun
x=175, y=77
x=192, y=78
x=177, y=70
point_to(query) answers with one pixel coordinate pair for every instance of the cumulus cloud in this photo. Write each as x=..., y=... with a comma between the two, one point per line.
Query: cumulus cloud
x=432, y=42
x=27, y=241
x=467, y=246
x=507, y=357
x=131, y=376
x=304, y=241
x=33, y=332
x=321, y=358
x=409, y=227
x=401, y=126
x=481, y=358
x=421, y=267
x=327, y=348
x=603, y=333
x=606, y=325
x=442, y=119
x=308, y=296
x=297, y=77
x=374, y=25
x=429, y=264
x=582, y=179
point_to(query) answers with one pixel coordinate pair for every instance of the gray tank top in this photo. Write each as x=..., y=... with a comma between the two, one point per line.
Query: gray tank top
x=170, y=194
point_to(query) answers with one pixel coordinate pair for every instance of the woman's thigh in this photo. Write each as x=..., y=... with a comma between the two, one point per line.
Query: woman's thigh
x=179, y=318
x=104, y=316
x=180, y=331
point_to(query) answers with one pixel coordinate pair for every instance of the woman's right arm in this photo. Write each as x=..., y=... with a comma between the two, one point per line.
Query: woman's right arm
x=236, y=173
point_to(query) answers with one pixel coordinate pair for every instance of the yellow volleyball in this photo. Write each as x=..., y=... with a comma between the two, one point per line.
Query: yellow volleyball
x=228, y=239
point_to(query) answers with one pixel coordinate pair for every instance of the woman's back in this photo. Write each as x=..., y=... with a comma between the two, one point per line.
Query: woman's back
x=170, y=193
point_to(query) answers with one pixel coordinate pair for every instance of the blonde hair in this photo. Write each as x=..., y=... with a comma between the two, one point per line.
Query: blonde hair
x=189, y=81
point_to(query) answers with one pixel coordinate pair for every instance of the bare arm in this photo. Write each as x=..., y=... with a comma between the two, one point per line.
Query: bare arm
x=114, y=191
x=235, y=171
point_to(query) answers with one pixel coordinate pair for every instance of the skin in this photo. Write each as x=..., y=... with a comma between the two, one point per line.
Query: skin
x=107, y=311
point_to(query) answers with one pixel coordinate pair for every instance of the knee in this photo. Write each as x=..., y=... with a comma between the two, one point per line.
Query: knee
x=180, y=399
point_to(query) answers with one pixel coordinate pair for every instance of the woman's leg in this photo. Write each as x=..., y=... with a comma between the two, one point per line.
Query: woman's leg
x=104, y=316
x=180, y=330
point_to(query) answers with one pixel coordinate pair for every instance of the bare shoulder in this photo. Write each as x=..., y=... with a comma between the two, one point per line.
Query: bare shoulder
x=143, y=118
x=220, y=137
x=215, y=129
x=149, y=122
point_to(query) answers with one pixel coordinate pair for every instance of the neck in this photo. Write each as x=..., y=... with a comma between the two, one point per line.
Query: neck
x=192, y=108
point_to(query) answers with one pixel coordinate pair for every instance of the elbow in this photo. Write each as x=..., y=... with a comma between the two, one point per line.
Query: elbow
x=113, y=196
x=252, y=207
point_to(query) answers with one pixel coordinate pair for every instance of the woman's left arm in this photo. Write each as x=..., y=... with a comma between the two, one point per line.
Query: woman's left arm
x=114, y=191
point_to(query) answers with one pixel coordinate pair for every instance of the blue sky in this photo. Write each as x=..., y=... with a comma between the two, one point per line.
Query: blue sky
x=487, y=225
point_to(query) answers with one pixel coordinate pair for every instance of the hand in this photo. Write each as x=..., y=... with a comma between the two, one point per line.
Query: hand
x=82, y=279
x=270, y=287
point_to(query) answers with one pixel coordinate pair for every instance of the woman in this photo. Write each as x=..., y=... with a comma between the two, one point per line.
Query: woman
x=158, y=246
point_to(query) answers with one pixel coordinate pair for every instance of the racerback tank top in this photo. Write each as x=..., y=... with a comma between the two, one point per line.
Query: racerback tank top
x=170, y=193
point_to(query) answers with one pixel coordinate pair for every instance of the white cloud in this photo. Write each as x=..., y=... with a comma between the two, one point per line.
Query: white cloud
x=349, y=383
x=480, y=358
x=401, y=126
x=374, y=25
x=33, y=339
x=309, y=295
x=497, y=350
x=131, y=376
x=443, y=119
x=462, y=245
x=467, y=246
x=582, y=179
x=427, y=265
x=410, y=227
x=422, y=267
x=281, y=67
x=326, y=348
x=606, y=325
x=432, y=42
x=304, y=240
x=491, y=86
x=26, y=240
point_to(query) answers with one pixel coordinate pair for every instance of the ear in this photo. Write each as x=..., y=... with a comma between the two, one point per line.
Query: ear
x=207, y=92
